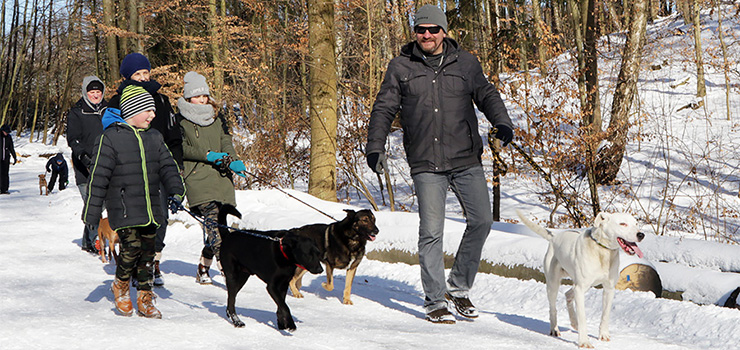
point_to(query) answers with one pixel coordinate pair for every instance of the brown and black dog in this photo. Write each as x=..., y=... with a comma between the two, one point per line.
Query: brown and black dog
x=106, y=234
x=271, y=255
x=342, y=246
x=43, y=185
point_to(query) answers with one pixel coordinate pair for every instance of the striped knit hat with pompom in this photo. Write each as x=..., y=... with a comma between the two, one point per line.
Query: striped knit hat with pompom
x=134, y=100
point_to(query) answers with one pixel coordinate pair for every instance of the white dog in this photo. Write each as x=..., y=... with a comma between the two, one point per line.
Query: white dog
x=590, y=257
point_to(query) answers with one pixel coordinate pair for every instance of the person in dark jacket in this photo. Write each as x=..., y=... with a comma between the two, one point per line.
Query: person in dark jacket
x=7, y=151
x=135, y=69
x=57, y=166
x=84, y=127
x=433, y=84
x=131, y=160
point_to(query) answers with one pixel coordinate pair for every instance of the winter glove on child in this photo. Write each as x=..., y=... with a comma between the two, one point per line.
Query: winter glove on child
x=377, y=162
x=505, y=134
x=216, y=157
x=175, y=203
x=238, y=167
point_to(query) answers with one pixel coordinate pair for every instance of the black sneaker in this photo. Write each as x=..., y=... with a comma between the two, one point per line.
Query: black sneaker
x=442, y=315
x=463, y=306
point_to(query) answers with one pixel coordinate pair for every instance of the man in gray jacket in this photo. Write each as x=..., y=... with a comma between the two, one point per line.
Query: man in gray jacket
x=433, y=85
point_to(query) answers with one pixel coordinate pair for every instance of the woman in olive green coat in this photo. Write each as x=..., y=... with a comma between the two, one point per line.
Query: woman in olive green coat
x=205, y=145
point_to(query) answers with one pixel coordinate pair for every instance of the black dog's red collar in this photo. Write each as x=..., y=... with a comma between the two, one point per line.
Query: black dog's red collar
x=280, y=243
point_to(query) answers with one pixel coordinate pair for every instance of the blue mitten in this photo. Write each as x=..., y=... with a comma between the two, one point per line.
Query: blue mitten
x=215, y=157
x=238, y=167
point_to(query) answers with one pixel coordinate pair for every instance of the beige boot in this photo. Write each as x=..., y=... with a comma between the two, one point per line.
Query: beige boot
x=145, y=303
x=156, y=274
x=121, y=297
x=204, y=267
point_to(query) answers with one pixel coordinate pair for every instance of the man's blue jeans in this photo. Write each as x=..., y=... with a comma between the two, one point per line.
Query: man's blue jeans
x=471, y=189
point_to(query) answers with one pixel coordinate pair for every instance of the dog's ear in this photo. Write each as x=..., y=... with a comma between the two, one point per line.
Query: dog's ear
x=601, y=219
x=350, y=212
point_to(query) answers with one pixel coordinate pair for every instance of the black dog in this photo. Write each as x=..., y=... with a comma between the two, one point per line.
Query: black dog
x=248, y=252
x=342, y=246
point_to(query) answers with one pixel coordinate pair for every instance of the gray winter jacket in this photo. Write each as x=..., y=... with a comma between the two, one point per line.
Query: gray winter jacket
x=129, y=165
x=440, y=127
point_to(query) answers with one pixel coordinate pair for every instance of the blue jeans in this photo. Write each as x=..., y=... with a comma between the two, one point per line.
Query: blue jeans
x=88, y=237
x=471, y=189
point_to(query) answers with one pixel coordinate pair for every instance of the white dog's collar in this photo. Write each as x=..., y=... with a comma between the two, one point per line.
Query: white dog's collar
x=599, y=243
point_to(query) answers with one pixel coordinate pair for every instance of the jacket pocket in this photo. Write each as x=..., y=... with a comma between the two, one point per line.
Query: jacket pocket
x=455, y=83
x=414, y=84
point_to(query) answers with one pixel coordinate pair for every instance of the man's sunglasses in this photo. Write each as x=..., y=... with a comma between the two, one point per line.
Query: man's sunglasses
x=432, y=30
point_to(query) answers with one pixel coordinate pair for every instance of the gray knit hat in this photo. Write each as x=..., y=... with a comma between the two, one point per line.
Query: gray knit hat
x=134, y=100
x=195, y=85
x=430, y=14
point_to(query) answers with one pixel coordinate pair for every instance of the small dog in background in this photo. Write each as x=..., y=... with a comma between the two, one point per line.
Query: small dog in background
x=43, y=185
x=106, y=234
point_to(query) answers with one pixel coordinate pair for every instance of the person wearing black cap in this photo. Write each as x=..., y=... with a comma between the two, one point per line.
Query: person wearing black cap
x=6, y=152
x=135, y=69
x=434, y=85
x=84, y=127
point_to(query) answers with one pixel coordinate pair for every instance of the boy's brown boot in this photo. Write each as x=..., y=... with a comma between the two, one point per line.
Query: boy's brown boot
x=145, y=302
x=121, y=297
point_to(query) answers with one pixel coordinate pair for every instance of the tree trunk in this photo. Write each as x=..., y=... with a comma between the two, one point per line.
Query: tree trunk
x=725, y=63
x=593, y=110
x=701, y=88
x=111, y=41
x=218, y=72
x=539, y=31
x=322, y=106
x=133, y=26
x=609, y=158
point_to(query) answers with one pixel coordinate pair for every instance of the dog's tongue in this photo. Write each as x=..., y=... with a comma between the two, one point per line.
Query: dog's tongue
x=630, y=248
x=371, y=237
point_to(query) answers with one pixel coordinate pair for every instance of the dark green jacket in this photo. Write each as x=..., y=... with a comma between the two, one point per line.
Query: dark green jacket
x=205, y=183
x=129, y=164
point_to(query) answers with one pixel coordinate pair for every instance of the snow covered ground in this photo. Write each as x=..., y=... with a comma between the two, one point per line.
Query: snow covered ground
x=55, y=296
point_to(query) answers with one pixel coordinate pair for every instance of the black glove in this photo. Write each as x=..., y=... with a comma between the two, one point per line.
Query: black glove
x=175, y=203
x=86, y=161
x=377, y=162
x=15, y=160
x=505, y=134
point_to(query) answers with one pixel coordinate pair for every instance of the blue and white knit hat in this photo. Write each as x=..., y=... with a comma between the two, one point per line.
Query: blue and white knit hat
x=134, y=100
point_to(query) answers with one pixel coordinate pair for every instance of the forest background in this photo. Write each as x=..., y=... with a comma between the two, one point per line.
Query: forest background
x=297, y=80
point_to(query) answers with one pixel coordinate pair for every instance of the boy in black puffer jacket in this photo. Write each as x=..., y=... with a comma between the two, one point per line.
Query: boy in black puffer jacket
x=131, y=160
x=136, y=69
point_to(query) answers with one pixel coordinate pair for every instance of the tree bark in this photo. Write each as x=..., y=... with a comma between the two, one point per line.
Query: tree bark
x=539, y=31
x=725, y=63
x=609, y=158
x=218, y=71
x=111, y=40
x=701, y=87
x=322, y=105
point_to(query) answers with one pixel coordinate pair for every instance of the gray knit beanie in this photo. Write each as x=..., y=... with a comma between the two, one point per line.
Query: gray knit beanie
x=430, y=14
x=195, y=85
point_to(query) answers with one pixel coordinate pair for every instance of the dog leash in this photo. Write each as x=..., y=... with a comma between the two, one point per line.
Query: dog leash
x=208, y=222
x=224, y=166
